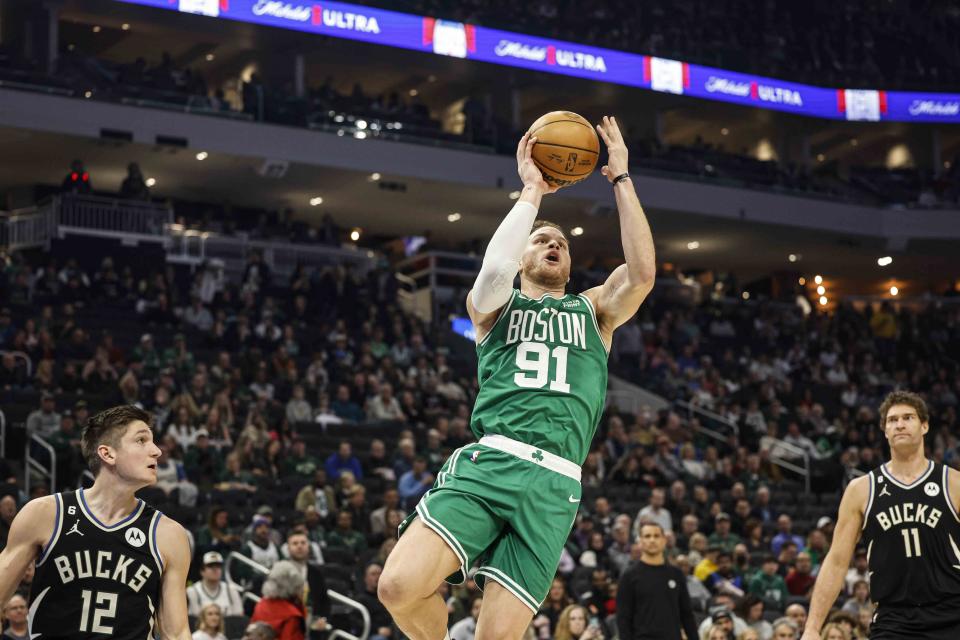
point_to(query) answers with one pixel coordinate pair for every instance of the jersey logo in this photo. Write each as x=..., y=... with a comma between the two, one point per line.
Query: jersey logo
x=571, y=303
x=932, y=489
x=672, y=584
x=537, y=455
x=72, y=510
x=75, y=528
x=572, y=499
x=474, y=456
x=135, y=537
x=884, y=491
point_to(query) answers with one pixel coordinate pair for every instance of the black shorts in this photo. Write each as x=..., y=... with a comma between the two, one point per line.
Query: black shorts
x=939, y=621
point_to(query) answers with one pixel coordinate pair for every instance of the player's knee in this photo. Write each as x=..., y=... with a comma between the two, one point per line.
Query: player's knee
x=395, y=592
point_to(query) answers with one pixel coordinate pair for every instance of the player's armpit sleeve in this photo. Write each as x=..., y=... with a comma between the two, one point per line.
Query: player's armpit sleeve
x=501, y=262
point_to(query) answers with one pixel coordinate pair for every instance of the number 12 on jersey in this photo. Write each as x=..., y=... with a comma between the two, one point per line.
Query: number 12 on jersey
x=533, y=358
x=911, y=542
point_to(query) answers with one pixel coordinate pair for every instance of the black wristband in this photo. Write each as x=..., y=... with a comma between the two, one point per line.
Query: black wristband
x=620, y=178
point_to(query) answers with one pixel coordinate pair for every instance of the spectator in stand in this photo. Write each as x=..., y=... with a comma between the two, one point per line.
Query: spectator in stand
x=343, y=460
x=344, y=536
x=573, y=624
x=344, y=407
x=384, y=406
x=298, y=409
x=45, y=421
x=391, y=502
x=198, y=316
x=15, y=615
x=414, y=483
x=859, y=571
x=721, y=613
x=301, y=552
x=654, y=512
x=708, y=565
x=217, y=534
x=380, y=620
x=260, y=548
x=318, y=495
x=860, y=599
x=259, y=631
x=785, y=533
x=800, y=578
x=722, y=536
x=725, y=579
x=282, y=604
x=798, y=614
x=203, y=463
x=768, y=585
x=134, y=187
x=785, y=629
x=209, y=624
x=212, y=589
x=77, y=179
x=750, y=610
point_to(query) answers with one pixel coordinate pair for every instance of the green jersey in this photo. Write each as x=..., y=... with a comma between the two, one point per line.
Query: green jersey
x=543, y=375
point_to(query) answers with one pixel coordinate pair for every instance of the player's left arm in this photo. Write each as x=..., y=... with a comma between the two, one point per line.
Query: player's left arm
x=953, y=485
x=175, y=552
x=618, y=299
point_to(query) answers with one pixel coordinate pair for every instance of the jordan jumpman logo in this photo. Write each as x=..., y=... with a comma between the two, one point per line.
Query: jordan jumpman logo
x=75, y=528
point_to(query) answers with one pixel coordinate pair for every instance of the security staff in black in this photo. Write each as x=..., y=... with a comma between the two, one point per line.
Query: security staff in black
x=93, y=580
x=906, y=513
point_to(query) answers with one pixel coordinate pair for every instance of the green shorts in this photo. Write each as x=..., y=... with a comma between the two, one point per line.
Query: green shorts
x=505, y=508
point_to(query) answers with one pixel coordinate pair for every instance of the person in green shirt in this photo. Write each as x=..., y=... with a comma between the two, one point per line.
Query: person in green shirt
x=345, y=536
x=179, y=357
x=769, y=585
x=722, y=536
x=300, y=463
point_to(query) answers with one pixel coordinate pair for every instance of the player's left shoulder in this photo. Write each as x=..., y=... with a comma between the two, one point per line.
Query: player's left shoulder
x=953, y=485
x=172, y=542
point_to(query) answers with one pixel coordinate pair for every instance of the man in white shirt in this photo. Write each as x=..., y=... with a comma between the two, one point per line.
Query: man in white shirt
x=859, y=571
x=654, y=512
x=213, y=589
x=467, y=628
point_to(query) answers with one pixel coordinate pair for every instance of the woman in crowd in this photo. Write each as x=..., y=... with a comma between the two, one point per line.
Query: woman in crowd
x=210, y=624
x=572, y=625
x=282, y=604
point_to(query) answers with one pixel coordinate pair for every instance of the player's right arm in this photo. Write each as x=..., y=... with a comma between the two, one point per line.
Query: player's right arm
x=835, y=565
x=30, y=530
x=501, y=262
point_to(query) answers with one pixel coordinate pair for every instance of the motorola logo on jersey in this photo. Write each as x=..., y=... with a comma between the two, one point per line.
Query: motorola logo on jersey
x=135, y=537
x=932, y=489
x=909, y=512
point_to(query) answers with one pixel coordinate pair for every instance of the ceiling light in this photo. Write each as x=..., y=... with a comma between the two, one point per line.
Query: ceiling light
x=823, y=301
x=854, y=142
x=818, y=279
x=693, y=245
x=453, y=217
x=210, y=57
x=316, y=201
x=87, y=94
x=125, y=26
x=821, y=290
x=360, y=135
x=374, y=176
x=514, y=195
x=894, y=291
x=576, y=231
x=745, y=295
x=413, y=93
x=338, y=118
x=361, y=124
x=150, y=182
x=802, y=281
x=724, y=131
x=355, y=234
x=96, y=28
x=431, y=78
x=821, y=157
x=203, y=155
x=792, y=257
x=885, y=261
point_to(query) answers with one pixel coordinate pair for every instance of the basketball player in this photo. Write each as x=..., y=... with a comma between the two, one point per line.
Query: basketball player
x=906, y=512
x=107, y=565
x=506, y=504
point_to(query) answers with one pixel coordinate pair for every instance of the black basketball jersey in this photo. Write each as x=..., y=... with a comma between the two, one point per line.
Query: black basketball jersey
x=96, y=581
x=912, y=533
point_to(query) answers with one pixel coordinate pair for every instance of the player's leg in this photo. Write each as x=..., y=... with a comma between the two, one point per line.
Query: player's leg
x=503, y=615
x=413, y=572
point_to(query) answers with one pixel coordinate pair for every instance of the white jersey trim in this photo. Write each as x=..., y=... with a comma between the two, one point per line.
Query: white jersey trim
x=130, y=519
x=33, y=611
x=55, y=535
x=870, y=494
x=533, y=455
x=596, y=322
x=152, y=540
x=883, y=469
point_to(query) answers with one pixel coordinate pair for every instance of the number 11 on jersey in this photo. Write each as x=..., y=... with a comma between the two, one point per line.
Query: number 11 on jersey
x=533, y=358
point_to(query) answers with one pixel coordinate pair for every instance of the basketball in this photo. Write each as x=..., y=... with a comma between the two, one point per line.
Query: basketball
x=567, y=147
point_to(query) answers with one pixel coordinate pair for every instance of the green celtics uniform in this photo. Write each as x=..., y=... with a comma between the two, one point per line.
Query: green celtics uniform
x=505, y=504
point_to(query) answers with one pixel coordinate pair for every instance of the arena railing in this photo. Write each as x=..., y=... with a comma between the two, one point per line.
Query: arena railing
x=21, y=355
x=334, y=595
x=28, y=228
x=112, y=215
x=36, y=466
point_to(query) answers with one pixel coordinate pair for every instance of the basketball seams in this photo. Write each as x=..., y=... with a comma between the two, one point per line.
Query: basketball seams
x=543, y=167
x=533, y=131
x=566, y=146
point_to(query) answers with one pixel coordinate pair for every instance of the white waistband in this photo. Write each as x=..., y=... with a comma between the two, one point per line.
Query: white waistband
x=532, y=454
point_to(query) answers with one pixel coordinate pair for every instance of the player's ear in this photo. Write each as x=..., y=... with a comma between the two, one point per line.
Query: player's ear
x=106, y=454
